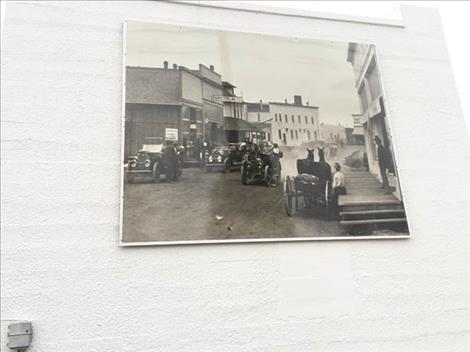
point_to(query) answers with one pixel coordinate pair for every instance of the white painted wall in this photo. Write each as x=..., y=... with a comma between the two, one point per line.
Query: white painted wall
x=60, y=179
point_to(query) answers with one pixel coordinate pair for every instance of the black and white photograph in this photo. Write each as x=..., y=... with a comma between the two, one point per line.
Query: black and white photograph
x=233, y=137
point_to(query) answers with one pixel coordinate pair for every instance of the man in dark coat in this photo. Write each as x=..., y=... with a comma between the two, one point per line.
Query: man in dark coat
x=170, y=160
x=384, y=163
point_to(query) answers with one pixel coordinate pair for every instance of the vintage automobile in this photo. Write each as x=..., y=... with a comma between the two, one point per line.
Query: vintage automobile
x=217, y=158
x=226, y=158
x=257, y=166
x=149, y=161
x=235, y=157
x=312, y=185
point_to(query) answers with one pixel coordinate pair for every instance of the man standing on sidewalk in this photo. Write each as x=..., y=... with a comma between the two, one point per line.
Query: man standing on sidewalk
x=384, y=163
x=338, y=187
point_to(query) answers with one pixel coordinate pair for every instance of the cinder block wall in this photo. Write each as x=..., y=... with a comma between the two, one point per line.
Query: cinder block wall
x=60, y=177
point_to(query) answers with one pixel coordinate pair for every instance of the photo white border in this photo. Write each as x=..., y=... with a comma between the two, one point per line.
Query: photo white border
x=122, y=243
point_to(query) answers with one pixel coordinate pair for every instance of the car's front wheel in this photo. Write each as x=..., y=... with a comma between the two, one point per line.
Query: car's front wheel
x=227, y=166
x=156, y=172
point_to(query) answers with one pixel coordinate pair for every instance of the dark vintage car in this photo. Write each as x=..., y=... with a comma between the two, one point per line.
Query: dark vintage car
x=226, y=158
x=149, y=161
x=258, y=166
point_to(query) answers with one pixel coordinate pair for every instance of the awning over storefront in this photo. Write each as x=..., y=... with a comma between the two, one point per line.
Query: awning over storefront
x=234, y=124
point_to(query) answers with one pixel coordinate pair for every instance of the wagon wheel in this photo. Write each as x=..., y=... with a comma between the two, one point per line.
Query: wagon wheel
x=289, y=196
x=268, y=175
x=156, y=173
x=327, y=197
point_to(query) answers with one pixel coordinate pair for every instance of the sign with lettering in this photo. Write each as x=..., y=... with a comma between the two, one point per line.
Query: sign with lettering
x=227, y=99
x=171, y=134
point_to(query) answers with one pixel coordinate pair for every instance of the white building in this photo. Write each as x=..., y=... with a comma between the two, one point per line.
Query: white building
x=288, y=124
x=373, y=115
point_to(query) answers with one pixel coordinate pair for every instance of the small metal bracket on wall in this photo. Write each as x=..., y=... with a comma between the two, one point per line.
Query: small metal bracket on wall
x=20, y=335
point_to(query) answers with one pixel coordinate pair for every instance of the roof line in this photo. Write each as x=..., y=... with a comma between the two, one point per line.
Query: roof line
x=290, y=12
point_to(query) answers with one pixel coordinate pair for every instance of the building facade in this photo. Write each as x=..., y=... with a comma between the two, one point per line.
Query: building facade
x=287, y=124
x=358, y=130
x=236, y=124
x=373, y=115
x=333, y=134
x=159, y=99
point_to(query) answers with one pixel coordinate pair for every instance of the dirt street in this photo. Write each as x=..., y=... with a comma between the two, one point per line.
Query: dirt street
x=189, y=209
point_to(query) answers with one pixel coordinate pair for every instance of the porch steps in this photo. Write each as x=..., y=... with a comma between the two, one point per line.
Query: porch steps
x=366, y=203
x=372, y=221
x=371, y=212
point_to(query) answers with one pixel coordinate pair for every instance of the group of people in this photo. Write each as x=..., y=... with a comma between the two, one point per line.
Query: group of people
x=267, y=150
x=172, y=159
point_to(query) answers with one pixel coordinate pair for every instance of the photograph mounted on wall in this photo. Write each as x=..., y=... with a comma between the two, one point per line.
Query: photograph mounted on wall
x=239, y=137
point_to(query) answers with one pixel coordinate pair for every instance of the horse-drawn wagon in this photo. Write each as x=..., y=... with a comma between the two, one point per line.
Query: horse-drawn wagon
x=311, y=187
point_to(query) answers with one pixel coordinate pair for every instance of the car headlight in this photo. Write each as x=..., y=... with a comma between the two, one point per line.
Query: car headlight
x=210, y=158
x=133, y=163
x=219, y=159
x=147, y=163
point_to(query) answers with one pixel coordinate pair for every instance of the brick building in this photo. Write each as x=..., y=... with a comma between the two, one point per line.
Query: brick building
x=178, y=98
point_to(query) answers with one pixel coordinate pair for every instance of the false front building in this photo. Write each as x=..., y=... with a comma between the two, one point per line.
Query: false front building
x=174, y=104
x=373, y=115
x=236, y=125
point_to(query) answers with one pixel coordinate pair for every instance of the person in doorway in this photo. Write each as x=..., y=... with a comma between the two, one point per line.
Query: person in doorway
x=382, y=157
x=338, y=187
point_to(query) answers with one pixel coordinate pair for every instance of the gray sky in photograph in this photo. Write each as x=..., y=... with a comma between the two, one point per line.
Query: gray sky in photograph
x=264, y=67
